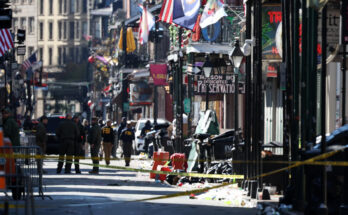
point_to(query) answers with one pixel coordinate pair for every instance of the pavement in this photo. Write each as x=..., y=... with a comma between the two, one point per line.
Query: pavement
x=118, y=191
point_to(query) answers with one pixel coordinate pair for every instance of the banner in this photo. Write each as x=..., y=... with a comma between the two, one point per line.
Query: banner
x=159, y=74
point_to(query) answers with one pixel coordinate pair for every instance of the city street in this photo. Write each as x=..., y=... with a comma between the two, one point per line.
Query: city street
x=115, y=192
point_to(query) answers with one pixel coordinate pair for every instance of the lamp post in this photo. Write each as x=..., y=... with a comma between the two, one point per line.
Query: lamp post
x=207, y=67
x=236, y=55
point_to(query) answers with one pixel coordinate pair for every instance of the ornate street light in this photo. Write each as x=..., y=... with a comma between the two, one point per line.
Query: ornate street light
x=236, y=56
x=207, y=68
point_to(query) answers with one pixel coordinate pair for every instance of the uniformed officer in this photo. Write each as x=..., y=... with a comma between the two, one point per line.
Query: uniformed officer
x=79, y=144
x=108, y=140
x=67, y=134
x=41, y=138
x=127, y=137
x=94, y=138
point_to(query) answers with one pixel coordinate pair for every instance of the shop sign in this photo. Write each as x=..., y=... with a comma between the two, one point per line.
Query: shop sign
x=159, y=74
x=217, y=84
x=271, y=32
x=187, y=105
x=140, y=93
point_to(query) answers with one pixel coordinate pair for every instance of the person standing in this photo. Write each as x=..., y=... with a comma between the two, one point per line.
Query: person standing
x=78, y=144
x=94, y=138
x=67, y=134
x=143, y=133
x=86, y=128
x=122, y=126
x=108, y=140
x=41, y=139
x=10, y=126
x=127, y=137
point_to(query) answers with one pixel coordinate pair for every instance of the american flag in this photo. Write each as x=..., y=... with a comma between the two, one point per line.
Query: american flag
x=29, y=62
x=166, y=14
x=6, y=41
x=147, y=21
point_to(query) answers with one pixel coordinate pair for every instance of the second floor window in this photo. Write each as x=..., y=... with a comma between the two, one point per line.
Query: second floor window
x=41, y=7
x=51, y=7
x=72, y=6
x=31, y=25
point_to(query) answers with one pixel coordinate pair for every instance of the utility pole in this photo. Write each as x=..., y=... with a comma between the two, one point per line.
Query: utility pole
x=344, y=8
x=124, y=79
x=155, y=99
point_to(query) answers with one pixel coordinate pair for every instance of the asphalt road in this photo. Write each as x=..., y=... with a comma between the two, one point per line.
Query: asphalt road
x=115, y=192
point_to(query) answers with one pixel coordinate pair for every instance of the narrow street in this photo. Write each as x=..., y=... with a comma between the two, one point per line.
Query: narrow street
x=115, y=192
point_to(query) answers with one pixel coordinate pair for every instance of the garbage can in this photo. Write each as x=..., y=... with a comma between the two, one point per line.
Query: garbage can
x=223, y=147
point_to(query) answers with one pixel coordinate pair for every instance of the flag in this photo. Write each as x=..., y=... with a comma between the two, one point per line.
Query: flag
x=29, y=62
x=87, y=37
x=166, y=14
x=107, y=89
x=185, y=12
x=6, y=41
x=212, y=13
x=147, y=21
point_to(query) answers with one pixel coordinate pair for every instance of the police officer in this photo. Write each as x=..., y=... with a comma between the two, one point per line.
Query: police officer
x=108, y=140
x=143, y=133
x=94, y=138
x=79, y=144
x=41, y=138
x=67, y=133
x=127, y=137
x=10, y=126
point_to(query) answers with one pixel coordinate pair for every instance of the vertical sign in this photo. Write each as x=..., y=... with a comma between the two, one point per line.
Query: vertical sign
x=345, y=21
x=271, y=32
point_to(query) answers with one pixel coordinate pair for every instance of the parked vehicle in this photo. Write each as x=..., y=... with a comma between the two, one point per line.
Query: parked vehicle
x=139, y=142
x=52, y=141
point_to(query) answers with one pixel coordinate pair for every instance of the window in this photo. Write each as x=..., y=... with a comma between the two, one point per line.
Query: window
x=71, y=54
x=71, y=30
x=77, y=27
x=65, y=6
x=84, y=29
x=60, y=55
x=23, y=23
x=49, y=56
x=84, y=6
x=59, y=30
x=51, y=6
x=77, y=6
x=15, y=23
x=41, y=7
x=60, y=2
x=64, y=30
x=41, y=30
x=72, y=6
x=31, y=25
x=30, y=50
x=40, y=53
x=50, y=29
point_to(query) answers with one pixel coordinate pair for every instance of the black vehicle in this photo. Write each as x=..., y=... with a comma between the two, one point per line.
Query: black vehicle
x=52, y=141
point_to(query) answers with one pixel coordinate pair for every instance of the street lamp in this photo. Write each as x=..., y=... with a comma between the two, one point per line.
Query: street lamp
x=236, y=55
x=207, y=67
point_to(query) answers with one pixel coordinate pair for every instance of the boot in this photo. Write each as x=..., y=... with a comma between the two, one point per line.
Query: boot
x=67, y=168
x=60, y=166
x=77, y=169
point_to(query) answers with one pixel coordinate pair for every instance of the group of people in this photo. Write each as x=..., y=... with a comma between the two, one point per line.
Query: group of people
x=72, y=135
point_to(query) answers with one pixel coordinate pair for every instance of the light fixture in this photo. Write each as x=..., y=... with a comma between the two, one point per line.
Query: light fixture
x=236, y=55
x=207, y=67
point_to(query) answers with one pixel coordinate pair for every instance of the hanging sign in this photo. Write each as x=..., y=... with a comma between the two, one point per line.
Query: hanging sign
x=159, y=74
x=217, y=84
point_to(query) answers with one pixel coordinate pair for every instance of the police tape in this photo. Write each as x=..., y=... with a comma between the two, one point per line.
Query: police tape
x=72, y=157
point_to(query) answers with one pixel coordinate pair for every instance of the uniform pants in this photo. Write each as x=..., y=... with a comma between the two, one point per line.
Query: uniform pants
x=95, y=156
x=78, y=153
x=107, y=146
x=66, y=148
x=127, y=151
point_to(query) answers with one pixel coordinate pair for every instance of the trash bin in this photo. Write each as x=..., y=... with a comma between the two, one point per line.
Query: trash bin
x=223, y=145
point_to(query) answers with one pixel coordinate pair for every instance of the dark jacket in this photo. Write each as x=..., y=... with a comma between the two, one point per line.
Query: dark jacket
x=145, y=129
x=127, y=135
x=82, y=134
x=41, y=134
x=108, y=134
x=67, y=130
x=120, y=129
x=11, y=130
x=94, y=136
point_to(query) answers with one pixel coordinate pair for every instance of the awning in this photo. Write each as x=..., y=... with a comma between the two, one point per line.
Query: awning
x=208, y=48
x=141, y=73
x=102, y=12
